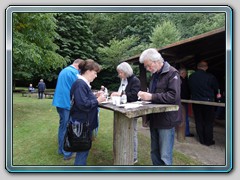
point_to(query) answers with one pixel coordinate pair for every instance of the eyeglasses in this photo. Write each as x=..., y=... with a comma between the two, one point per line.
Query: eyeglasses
x=147, y=66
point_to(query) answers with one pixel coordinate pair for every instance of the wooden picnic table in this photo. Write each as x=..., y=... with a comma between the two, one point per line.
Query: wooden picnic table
x=123, y=128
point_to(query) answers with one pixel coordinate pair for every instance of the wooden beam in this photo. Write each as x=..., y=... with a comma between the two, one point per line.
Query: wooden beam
x=203, y=102
x=143, y=77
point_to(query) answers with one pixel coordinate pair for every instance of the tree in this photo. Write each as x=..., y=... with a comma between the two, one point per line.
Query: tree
x=192, y=24
x=75, y=37
x=164, y=34
x=34, y=51
x=107, y=26
x=208, y=23
x=112, y=55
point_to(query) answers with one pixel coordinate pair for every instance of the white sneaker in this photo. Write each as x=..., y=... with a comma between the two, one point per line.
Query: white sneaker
x=135, y=161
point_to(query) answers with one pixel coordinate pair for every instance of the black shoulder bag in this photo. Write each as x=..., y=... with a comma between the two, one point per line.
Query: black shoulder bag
x=78, y=135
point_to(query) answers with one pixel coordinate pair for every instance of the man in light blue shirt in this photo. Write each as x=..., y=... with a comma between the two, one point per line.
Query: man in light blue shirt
x=62, y=101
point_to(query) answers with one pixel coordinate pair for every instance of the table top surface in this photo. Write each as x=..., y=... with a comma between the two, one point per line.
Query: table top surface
x=138, y=108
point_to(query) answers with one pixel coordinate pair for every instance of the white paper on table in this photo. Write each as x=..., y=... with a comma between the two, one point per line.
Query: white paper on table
x=141, y=102
x=130, y=105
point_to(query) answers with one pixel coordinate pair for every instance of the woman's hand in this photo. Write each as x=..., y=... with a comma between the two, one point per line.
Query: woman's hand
x=115, y=94
x=99, y=93
x=101, y=98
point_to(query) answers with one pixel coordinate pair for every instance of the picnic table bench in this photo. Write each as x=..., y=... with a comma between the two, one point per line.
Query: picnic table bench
x=18, y=90
x=48, y=94
x=28, y=94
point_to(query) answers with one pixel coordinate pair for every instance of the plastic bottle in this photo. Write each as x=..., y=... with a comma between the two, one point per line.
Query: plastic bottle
x=219, y=96
x=124, y=97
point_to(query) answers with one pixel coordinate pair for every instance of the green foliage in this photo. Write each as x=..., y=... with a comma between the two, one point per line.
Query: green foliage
x=107, y=78
x=43, y=43
x=108, y=26
x=192, y=24
x=209, y=23
x=164, y=34
x=34, y=52
x=111, y=56
x=75, y=37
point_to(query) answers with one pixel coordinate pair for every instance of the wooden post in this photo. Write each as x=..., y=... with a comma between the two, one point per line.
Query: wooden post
x=181, y=127
x=143, y=79
x=122, y=139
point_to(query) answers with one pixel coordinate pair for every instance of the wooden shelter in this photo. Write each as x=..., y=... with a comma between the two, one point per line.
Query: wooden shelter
x=210, y=46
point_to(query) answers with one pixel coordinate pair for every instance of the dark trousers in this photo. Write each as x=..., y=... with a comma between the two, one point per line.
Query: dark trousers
x=40, y=94
x=186, y=119
x=204, y=117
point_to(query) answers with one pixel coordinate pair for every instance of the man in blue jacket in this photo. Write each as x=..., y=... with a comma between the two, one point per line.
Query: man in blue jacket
x=62, y=101
x=165, y=88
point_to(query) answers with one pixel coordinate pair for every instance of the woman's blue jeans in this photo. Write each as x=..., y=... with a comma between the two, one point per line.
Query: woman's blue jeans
x=64, y=117
x=187, y=129
x=81, y=158
x=162, y=141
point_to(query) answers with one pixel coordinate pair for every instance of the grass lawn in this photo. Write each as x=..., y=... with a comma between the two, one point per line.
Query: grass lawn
x=35, y=127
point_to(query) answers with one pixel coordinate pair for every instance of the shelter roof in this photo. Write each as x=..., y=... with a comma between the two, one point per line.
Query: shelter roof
x=210, y=46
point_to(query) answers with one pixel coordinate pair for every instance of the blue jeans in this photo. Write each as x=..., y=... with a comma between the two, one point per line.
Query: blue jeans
x=95, y=131
x=64, y=117
x=162, y=141
x=187, y=130
x=81, y=158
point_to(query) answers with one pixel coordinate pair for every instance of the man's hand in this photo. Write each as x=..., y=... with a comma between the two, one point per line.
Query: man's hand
x=145, y=96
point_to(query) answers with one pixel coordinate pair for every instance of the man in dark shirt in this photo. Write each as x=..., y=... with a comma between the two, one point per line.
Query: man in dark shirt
x=41, y=88
x=164, y=88
x=203, y=87
x=185, y=94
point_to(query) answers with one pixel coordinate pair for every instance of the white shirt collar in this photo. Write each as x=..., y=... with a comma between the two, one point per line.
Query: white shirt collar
x=123, y=85
x=85, y=80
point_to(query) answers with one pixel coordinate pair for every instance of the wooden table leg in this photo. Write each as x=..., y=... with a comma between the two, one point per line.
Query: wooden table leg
x=122, y=140
x=181, y=127
x=144, y=121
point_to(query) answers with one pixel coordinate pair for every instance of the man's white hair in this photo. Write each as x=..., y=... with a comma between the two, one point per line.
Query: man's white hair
x=150, y=54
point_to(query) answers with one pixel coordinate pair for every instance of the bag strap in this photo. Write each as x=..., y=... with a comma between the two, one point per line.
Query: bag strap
x=73, y=102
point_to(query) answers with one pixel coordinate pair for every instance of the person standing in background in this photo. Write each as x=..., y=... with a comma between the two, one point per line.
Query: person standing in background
x=41, y=88
x=130, y=85
x=203, y=87
x=61, y=101
x=164, y=88
x=185, y=94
